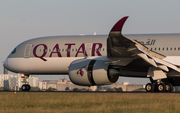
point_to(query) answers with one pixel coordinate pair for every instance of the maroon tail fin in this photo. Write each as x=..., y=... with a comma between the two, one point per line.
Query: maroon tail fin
x=118, y=26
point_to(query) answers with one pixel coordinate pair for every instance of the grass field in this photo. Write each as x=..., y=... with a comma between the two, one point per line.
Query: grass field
x=90, y=102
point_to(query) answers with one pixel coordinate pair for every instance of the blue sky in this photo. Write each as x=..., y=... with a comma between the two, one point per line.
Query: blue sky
x=21, y=20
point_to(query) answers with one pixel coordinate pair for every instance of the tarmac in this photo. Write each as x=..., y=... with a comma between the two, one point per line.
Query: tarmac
x=81, y=92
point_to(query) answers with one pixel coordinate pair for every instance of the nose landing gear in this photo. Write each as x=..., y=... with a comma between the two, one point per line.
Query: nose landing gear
x=26, y=86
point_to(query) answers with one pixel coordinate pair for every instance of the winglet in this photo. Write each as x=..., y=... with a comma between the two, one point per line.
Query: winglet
x=118, y=26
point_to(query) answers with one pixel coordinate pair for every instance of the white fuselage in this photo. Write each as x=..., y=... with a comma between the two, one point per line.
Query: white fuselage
x=53, y=55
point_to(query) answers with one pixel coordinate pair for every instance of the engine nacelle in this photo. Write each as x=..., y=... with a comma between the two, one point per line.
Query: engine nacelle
x=90, y=72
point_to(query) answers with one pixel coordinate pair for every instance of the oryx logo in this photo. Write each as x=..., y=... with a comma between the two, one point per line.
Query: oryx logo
x=80, y=71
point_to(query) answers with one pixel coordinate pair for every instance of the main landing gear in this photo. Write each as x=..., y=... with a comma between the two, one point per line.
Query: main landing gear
x=159, y=87
x=26, y=86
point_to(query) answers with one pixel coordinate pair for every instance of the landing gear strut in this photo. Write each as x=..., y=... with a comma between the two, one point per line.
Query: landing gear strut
x=26, y=86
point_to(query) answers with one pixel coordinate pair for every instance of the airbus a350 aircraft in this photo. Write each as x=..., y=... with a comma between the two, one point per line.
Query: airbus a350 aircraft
x=100, y=60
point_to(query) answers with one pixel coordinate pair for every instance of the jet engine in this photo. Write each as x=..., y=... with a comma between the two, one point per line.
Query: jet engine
x=90, y=72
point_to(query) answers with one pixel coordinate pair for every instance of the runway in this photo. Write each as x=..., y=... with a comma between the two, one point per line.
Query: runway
x=93, y=92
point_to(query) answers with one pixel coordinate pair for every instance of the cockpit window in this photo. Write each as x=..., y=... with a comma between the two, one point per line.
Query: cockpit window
x=14, y=51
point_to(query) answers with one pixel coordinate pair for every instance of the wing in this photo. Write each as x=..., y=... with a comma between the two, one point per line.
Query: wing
x=120, y=46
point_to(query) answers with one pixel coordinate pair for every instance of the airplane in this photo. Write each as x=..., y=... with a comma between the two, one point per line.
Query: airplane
x=101, y=59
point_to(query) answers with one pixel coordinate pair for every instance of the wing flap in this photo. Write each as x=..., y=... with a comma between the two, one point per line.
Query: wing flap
x=147, y=51
x=156, y=74
x=149, y=60
x=167, y=64
x=163, y=67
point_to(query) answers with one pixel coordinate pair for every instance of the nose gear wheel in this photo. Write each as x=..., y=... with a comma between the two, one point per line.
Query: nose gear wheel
x=26, y=87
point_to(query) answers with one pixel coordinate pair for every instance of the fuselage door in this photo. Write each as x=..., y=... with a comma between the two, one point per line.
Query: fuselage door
x=88, y=48
x=27, y=50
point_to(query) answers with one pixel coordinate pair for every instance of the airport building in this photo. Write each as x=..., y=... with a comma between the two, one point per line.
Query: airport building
x=14, y=82
x=8, y=81
x=127, y=87
x=61, y=85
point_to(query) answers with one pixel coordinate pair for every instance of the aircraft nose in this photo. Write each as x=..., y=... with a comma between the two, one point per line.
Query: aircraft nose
x=5, y=64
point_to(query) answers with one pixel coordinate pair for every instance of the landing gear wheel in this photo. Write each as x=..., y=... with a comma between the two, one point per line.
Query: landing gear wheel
x=149, y=87
x=23, y=87
x=161, y=87
x=169, y=87
x=26, y=87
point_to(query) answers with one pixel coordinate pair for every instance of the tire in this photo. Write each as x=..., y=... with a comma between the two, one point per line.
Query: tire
x=149, y=87
x=26, y=87
x=156, y=87
x=161, y=87
x=169, y=87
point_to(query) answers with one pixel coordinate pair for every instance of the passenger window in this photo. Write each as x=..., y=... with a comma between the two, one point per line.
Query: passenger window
x=167, y=48
x=171, y=48
x=178, y=48
x=62, y=50
x=174, y=48
x=72, y=49
x=155, y=49
x=163, y=48
x=151, y=49
x=159, y=49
